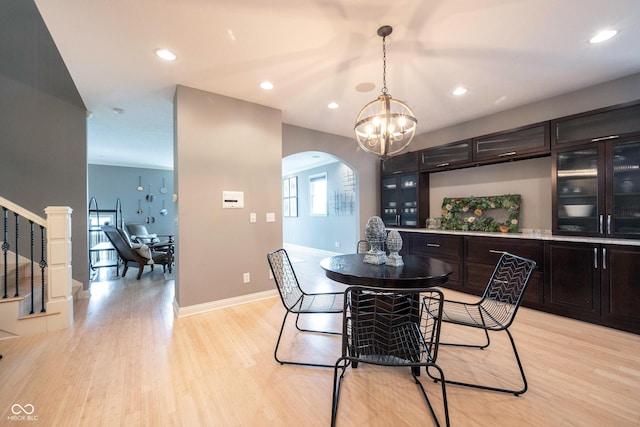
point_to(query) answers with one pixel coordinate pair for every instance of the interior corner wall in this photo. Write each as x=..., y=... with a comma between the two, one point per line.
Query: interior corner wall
x=224, y=144
x=43, y=142
x=297, y=140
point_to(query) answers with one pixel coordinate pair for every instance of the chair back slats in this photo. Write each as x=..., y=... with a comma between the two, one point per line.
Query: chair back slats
x=505, y=289
x=285, y=277
x=391, y=327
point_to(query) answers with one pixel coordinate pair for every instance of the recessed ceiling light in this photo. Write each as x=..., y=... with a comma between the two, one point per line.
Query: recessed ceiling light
x=266, y=85
x=603, y=36
x=166, y=54
x=333, y=105
x=459, y=91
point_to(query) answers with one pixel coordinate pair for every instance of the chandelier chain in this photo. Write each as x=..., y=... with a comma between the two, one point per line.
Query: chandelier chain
x=384, y=65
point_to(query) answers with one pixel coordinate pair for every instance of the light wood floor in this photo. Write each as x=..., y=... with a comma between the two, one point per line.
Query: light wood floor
x=128, y=361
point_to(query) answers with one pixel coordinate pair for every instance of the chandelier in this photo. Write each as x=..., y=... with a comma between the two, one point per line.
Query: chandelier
x=385, y=126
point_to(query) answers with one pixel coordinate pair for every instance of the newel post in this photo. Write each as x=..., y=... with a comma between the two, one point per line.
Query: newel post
x=60, y=298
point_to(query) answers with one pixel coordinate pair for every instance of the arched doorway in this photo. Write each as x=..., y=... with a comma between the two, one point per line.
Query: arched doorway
x=313, y=180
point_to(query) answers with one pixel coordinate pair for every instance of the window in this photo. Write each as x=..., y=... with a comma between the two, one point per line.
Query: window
x=290, y=196
x=318, y=192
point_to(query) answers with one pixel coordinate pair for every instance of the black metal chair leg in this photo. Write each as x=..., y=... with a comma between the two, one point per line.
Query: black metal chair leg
x=288, y=362
x=444, y=395
x=498, y=389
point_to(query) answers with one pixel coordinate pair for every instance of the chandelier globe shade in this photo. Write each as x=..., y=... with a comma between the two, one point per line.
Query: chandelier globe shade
x=385, y=126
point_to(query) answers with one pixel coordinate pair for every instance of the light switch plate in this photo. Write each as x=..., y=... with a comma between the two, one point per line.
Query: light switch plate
x=271, y=217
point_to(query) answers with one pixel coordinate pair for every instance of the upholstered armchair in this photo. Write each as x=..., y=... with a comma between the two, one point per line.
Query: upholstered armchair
x=137, y=253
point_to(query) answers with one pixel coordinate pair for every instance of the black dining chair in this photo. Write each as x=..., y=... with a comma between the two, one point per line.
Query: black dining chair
x=494, y=312
x=363, y=247
x=296, y=301
x=395, y=328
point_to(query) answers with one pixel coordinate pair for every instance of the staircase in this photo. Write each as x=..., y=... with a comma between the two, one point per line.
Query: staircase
x=22, y=315
x=33, y=310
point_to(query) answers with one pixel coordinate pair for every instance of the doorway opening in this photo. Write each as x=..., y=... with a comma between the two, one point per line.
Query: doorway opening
x=320, y=202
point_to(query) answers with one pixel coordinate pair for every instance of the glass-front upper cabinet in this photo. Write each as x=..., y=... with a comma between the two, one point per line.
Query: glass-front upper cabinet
x=399, y=199
x=579, y=190
x=623, y=216
x=597, y=189
x=445, y=156
x=601, y=125
x=528, y=141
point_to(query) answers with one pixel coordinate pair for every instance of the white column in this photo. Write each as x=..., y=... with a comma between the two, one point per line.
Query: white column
x=60, y=298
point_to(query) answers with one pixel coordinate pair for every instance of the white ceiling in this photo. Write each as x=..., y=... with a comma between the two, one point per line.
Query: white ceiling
x=507, y=52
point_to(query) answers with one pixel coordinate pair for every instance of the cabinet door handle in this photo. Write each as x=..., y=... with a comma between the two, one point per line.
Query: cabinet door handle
x=609, y=224
x=493, y=251
x=433, y=245
x=441, y=165
x=595, y=258
x=605, y=138
x=397, y=219
x=600, y=224
x=604, y=258
x=510, y=153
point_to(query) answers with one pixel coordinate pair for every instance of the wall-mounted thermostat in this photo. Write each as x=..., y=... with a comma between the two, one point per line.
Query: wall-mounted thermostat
x=232, y=199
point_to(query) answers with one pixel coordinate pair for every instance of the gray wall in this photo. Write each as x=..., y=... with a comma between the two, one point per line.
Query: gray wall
x=338, y=230
x=43, y=155
x=296, y=140
x=110, y=183
x=222, y=144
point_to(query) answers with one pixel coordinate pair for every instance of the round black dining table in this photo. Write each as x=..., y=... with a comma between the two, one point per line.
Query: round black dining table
x=417, y=272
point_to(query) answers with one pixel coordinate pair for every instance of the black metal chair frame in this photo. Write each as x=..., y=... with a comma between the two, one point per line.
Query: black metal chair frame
x=391, y=327
x=296, y=301
x=363, y=247
x=494, y=312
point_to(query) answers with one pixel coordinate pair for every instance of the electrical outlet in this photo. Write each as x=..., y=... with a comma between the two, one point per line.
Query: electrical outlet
x=246, y=277
x=252, y=217
x=337, y=244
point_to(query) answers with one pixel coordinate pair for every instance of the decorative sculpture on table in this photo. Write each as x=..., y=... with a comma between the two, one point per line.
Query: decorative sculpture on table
x=394, y=244
x=375, y=234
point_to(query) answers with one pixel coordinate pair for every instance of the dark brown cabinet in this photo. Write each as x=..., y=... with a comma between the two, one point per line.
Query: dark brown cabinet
x=524, y=142
x=606, y=124
x=400, y=164
x=445, y=247
x=596, y=189
x=446, y=157
x=572, y=285
x=594, y=282
x=401, y=202
x=402, y=199
x=482, y=254
x=620, y=286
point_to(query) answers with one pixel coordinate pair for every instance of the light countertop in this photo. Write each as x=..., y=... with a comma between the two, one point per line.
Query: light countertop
x=525, y=234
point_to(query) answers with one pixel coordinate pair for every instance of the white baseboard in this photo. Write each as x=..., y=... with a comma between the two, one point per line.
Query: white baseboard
x=192, y=310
